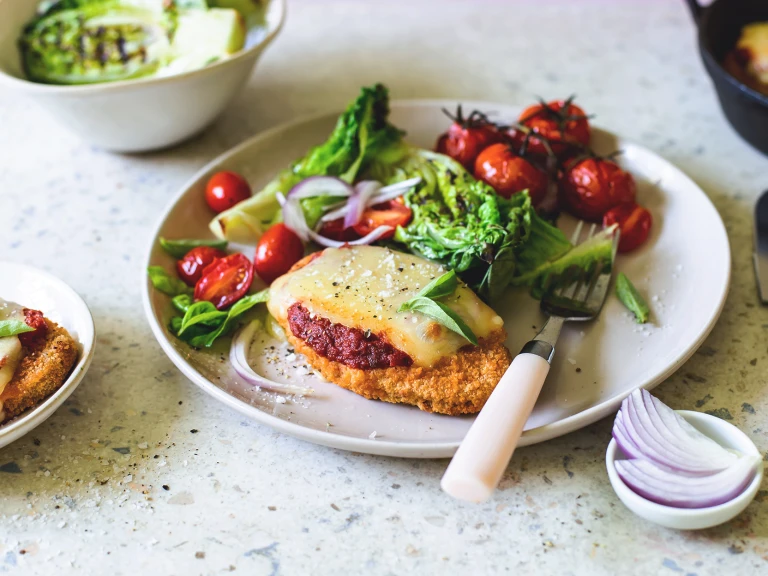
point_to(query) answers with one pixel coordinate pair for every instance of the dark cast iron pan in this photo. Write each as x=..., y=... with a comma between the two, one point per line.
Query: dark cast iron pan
x=720, y=26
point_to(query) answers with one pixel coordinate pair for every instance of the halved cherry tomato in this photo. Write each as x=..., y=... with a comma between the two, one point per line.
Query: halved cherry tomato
x=278, y=249
x=564, y=125
x=467, y=137
x=390, y=213
x=335, y=230
x=634, y=222
x=191, y=266
x=509, y=173
x=225, y=189
x=593, y=186
x=225, y=281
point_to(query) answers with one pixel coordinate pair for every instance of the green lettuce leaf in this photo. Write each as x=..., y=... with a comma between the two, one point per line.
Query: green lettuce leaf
x=362, y=135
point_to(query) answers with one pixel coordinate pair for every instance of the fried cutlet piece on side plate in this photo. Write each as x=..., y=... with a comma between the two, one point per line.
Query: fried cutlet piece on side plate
x=44, y=367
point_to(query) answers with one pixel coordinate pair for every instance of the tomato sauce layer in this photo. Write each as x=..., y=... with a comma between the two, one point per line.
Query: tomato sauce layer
x=350, y=346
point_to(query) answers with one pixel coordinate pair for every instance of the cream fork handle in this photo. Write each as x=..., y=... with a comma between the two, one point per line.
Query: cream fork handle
x=483, y=455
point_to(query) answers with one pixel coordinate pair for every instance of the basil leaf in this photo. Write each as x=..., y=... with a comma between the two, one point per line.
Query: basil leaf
x=179, y=248
x=443, y=315
x=202, y=313
x=182, y=302
x=445, y=285
x=238, y=309
x=175, y=325
x=166, y=283
x=13, y=327
x=632, y=299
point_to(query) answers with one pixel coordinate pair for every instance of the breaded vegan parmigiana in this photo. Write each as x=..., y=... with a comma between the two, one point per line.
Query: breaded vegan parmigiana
x=36, y=356
x=339, y=308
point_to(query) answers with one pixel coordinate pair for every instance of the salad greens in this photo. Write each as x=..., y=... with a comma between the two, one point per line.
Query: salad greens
x=632, y=299
x=491, y=242
x=202, y=323
x=179, y=248
x=166, y=283
x=89, y=41
x=362, y=136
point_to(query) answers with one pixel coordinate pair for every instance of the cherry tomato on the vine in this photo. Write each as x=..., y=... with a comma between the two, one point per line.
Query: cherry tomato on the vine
x=225, y=189
x=509, y=173
x=563, y=124
x=191, y=266
x=634, y=223
x=591, y=187
x=467, y=137
x=278, y=249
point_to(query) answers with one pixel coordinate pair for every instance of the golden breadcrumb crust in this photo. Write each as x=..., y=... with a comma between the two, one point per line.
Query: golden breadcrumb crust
x=42, y=370
x=457, y=384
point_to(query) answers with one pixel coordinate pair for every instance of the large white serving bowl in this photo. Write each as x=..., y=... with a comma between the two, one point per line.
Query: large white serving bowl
x=142, y=114
x=39, y=290
x=684, y=269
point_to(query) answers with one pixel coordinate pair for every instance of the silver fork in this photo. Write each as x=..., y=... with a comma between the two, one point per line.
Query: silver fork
x=476, y=468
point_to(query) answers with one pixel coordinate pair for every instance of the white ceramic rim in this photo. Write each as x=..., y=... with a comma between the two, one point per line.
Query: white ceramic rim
x=410, y=449
x=82, y=89
x=740, y=501
x=31, y=419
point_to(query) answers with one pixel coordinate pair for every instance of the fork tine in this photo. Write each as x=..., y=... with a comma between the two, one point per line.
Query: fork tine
x=591, y=231
x=577, y=232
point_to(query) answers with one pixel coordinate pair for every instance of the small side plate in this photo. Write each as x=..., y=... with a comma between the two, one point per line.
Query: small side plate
x=36, y=289
x=723, y=433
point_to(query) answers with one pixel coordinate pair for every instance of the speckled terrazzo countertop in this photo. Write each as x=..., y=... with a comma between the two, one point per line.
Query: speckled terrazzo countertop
x=141, y=473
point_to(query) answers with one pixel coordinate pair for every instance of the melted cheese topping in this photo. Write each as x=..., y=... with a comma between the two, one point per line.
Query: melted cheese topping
x=754, y=40
x=10, y=347
x=363, y=286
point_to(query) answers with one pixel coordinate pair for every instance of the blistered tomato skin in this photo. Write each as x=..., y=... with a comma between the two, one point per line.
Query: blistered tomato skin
x=225, y=281
x=278, y=250
x=564, y=125
x=508, y=173
x=591, y=187
x=191, y=266
x=225, y=189
x=634, y=223
x=33, y=319
x=350, y=346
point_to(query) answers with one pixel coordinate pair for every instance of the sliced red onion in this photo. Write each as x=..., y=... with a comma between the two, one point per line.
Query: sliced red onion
x=383, y=195
x=238, y=356
x=320, y=186
x=670, y=461
x=671, y=489
x=358, y=202
x=293, y=216
x=367, y=239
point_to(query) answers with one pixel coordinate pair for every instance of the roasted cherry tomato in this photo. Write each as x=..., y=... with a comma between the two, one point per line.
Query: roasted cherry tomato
x=441, y=146
x=467, y=137
x=391, y=213
x=564, y=125
x=34, y=319
x=278, y=249
x=225, y=281
x=634, y=222
x=225, y=189
x=190, y=268
x=509, y=173
x=591, y=187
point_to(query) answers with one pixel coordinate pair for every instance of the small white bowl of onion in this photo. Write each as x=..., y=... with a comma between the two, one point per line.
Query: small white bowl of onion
x=680, y=469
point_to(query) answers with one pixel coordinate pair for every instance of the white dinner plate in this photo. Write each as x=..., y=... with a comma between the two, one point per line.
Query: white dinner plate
x=33, y=288
x=684, y=270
